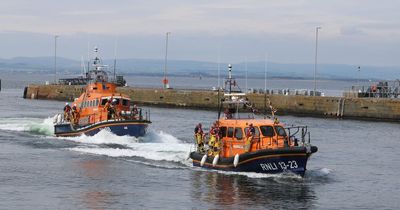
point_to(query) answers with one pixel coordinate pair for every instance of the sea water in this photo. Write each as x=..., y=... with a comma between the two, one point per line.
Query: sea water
x=357, y=165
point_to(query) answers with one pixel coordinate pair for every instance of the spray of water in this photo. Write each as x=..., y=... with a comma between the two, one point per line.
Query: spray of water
x=33, y=125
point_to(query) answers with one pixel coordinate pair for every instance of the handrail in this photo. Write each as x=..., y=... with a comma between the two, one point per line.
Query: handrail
x=299, y=131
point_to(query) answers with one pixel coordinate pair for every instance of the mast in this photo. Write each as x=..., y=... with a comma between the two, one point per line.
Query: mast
x=230, y=77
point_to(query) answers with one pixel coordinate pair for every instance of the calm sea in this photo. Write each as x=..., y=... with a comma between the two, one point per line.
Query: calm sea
x=357, y=165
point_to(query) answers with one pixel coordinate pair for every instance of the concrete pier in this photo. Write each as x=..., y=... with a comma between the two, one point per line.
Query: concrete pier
x=342, y=107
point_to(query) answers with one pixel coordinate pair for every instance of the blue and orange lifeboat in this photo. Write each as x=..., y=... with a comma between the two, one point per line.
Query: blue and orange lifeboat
x=100, y=107
x=92, y=114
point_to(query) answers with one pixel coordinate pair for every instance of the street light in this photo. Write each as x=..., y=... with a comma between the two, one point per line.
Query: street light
x=358, y=76
x=316, y=58
x=55, y=59
x=165, y=80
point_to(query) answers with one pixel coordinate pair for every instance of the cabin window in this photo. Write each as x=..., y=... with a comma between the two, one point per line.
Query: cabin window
x=230, y=132
x=238, y=133
x=280, y=130
x=117, y=101
x=222, y=131
x=104, y=101
x=267, y=131
x=91, y=103
x=255, y=129
x=125, y=102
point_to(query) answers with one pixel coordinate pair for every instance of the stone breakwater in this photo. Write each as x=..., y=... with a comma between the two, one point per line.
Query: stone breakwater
x=343, y=107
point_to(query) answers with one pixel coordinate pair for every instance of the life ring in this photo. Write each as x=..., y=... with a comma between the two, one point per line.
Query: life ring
x=236, y=160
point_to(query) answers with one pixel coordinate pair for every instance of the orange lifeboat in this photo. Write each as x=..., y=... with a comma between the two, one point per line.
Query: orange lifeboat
x=240, y=142
x=100, y=107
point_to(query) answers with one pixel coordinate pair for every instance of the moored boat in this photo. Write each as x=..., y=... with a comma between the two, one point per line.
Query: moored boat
x=100, y=107
x=242, y=143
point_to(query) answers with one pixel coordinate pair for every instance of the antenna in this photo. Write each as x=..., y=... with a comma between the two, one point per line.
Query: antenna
x=219, y=58
x=245, y=67
x=115, y=55
x=83, y=66
x=88, y=55
x=230, y=77
x=265, y=84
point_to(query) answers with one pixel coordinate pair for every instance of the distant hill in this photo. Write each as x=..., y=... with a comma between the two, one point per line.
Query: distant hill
x=187, y=68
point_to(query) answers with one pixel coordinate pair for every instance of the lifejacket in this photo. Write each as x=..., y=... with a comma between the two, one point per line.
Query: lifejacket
x=217, y=144
x=212, y=140
x=199, y=138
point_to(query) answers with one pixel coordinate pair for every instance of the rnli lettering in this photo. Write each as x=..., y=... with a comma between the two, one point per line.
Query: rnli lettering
x=291, y=164
x=268, y=166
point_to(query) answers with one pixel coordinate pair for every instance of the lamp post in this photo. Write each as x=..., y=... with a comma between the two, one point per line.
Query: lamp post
x=55, y=59
x=316, y=59
x=165, y=80
x=358, y=77
x=265, y=72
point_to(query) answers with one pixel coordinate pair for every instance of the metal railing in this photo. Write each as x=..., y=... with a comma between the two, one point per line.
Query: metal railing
x=296, y=132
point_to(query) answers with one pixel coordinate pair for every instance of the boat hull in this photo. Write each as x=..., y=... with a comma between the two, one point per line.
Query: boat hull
x=135, y=128
x=271, y=161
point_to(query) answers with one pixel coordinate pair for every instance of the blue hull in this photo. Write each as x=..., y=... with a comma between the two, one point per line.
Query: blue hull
x=121, y=128
x=292, y=160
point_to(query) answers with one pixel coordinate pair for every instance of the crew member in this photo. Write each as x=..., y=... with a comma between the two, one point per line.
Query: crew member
x=199, y=136
x=75, y=115
x=249, y=137
x=114, y=108
x=107, y=107
x=135, y=112
x=217, y=146
x=213, y=138
x=67, y=112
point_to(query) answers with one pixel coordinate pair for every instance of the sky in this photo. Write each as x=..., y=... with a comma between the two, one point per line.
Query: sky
x=356, y=32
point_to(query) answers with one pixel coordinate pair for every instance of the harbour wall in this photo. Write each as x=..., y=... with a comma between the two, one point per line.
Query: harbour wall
x=342, y=107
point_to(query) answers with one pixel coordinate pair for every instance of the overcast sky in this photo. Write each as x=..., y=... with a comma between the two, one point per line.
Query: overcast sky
x=359, y=32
